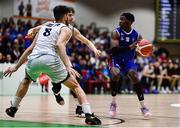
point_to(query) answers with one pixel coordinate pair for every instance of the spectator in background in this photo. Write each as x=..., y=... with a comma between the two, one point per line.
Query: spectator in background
x=16, y=53
x=173, y=74
x=21, y=9
x=29, y=24
x=29, y=9
x=37, y=23
x=4, y=23
x=1, y=47
x=157, y=74
x=21, y=42
x=165, y=85
x=12, y=29
x=1, y=58
x=148, y=76
x=8, y=59
x=176, y=77
x=8, y=49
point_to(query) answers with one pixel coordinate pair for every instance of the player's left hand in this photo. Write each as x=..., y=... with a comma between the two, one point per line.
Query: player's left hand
x=134, y=45
x=9, y=71
x=97, y=53
x=73, y=72
x=30, y=34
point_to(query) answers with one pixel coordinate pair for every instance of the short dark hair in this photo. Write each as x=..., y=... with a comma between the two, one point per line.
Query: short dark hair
x=72, y=10
x=129, y=16
x=59, y=11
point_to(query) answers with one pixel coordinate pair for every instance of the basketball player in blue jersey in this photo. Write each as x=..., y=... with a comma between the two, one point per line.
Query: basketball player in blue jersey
x=123, y=43
x=50, y=43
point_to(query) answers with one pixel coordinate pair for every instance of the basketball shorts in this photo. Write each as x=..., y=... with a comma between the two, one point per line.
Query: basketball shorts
x=48, y=64
x=124, y=66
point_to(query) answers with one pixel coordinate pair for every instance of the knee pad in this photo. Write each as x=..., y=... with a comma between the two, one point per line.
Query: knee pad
x=115, y=71
x=133, y=76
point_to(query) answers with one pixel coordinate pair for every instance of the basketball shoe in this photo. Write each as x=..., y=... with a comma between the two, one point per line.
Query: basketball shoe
x=91, y=119
x=59, y=99
x=11, y=111
x=79, y=111
x=112, y=109
x=145, y=112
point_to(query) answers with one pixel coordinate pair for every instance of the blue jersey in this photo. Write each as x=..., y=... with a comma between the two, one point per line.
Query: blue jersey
x=126, y=39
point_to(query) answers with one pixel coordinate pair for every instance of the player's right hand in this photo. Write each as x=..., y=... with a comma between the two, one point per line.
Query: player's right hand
x=9, y=71
x=97, y=53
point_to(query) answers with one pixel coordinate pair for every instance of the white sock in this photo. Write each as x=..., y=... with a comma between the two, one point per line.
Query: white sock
x=114, y=99
x=86, y=108
x=16, y=101
x=142, y=104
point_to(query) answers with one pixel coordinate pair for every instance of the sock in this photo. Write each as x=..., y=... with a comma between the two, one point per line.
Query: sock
x=142, y=104
x=114, y=99
x=86, y=108
x=16, y=101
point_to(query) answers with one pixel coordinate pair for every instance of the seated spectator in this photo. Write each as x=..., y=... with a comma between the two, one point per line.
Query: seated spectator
x=1, y=58
x=8, y=59
x=148, y=77
x=16, y=53
x=165, y=85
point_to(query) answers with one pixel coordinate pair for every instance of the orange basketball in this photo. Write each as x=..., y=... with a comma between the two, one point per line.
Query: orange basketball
x=144, y=48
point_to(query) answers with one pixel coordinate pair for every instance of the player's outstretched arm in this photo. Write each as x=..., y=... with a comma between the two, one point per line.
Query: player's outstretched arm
x=84, y=40
x=21, y=60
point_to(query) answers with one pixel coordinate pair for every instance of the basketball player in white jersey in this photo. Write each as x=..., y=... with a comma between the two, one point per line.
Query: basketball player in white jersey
x=77, y=35
x=47, y=54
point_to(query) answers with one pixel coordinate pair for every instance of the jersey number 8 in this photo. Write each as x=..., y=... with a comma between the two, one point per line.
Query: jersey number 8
x=47, y=31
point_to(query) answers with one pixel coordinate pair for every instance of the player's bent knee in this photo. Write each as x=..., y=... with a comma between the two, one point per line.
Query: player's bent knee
x=133, y=76
x=71, y=82
x=115, y=71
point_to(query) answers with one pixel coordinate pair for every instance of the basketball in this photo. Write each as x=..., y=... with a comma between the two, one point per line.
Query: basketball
x=144, y=48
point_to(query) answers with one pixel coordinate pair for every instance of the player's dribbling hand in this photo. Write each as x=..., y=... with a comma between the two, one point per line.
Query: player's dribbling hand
x=9, y=71
x=97, y=53
x=73, y=72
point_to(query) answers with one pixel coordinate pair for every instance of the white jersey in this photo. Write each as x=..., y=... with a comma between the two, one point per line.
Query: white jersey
x=44, y=58
x=47, y=39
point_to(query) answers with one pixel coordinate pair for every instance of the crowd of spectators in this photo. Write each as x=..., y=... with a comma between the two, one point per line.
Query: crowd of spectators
x=158, y=73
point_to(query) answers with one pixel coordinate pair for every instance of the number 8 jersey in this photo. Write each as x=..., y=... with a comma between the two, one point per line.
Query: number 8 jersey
x=47, y=39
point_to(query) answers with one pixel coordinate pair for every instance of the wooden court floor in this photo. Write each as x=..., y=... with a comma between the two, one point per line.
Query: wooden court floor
x=42, y=111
